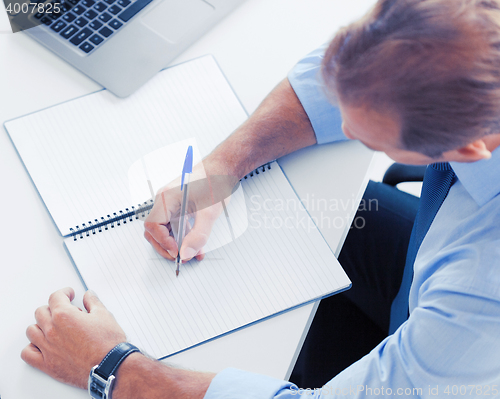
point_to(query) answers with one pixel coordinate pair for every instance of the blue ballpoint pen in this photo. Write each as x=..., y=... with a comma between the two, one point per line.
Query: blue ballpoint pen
x=186, y=174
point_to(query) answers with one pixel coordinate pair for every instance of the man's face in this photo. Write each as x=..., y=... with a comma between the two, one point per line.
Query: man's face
x=380, y=132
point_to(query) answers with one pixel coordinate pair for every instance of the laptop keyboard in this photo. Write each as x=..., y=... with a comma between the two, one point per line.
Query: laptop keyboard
x=86, y=24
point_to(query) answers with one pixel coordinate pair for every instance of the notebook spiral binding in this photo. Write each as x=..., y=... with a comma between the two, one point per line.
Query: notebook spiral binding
x=105, y=223
x=259, y=170
x=109, y=222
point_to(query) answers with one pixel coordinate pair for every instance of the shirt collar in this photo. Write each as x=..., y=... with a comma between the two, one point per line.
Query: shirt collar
x=481, y=179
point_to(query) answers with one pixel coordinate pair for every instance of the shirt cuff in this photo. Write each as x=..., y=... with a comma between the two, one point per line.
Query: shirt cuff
x=305, y=79
x=234, y=384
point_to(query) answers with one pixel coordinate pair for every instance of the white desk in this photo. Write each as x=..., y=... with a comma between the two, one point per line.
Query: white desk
x=255, y=46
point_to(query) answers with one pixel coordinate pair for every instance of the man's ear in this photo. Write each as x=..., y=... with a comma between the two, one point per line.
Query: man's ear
x=472, y=152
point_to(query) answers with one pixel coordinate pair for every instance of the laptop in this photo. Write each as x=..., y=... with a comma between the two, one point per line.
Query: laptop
x=122, y=43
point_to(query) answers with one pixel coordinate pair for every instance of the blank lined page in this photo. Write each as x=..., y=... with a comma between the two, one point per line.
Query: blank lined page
x=281, y=261
x=78, y=153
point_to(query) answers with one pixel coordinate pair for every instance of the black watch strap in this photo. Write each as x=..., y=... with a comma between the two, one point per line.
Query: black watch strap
x=101, y=378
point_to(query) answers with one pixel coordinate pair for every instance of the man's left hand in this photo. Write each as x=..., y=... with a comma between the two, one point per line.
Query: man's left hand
x=67, y=342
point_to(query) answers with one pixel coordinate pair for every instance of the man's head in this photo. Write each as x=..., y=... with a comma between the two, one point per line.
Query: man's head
x=427, y=69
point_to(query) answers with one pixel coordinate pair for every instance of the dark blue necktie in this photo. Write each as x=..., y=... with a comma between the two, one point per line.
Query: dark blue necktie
x=438, y=179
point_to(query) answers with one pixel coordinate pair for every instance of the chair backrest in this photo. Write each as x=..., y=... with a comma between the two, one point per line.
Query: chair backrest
x=400, y=173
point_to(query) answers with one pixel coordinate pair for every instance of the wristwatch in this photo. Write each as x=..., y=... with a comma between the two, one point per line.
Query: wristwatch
x=102, y=376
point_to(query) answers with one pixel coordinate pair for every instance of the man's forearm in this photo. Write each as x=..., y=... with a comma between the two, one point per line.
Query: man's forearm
x=278, y=127
x=140, y=377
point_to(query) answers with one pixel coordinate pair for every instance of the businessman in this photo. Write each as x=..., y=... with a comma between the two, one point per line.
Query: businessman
x=419, y=80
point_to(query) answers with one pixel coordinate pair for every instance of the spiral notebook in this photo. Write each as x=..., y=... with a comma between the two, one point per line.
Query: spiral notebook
x=78, y=154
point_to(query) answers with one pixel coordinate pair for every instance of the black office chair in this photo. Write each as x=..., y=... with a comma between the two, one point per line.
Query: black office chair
x=400, y=173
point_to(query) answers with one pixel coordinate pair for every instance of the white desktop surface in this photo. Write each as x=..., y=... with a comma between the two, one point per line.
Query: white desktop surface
x=255, y=47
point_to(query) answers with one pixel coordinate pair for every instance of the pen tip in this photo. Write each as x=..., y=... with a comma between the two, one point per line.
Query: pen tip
x=177, y=273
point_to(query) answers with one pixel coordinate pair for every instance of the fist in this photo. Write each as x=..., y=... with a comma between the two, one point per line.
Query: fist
x=66, y=342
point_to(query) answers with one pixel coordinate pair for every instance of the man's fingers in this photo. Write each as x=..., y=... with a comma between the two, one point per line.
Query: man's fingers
x=156, y=230
x=61, y=297
x=32, y=355
x=196, y=239
x=92, y=302
x=162, y=237
x=43, y=316
x=167, y=255
x=35, y=334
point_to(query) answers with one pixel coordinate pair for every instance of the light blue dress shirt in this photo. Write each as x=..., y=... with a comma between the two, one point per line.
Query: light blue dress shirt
x=450, y=345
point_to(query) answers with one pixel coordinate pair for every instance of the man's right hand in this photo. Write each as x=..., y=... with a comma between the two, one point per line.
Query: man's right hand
x=206, y=191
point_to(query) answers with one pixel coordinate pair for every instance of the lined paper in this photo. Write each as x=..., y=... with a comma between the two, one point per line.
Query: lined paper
x=270, y=268
x=78, y=153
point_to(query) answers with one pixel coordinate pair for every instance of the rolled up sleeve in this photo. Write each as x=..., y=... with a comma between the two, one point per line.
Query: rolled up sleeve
x=305, y=79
